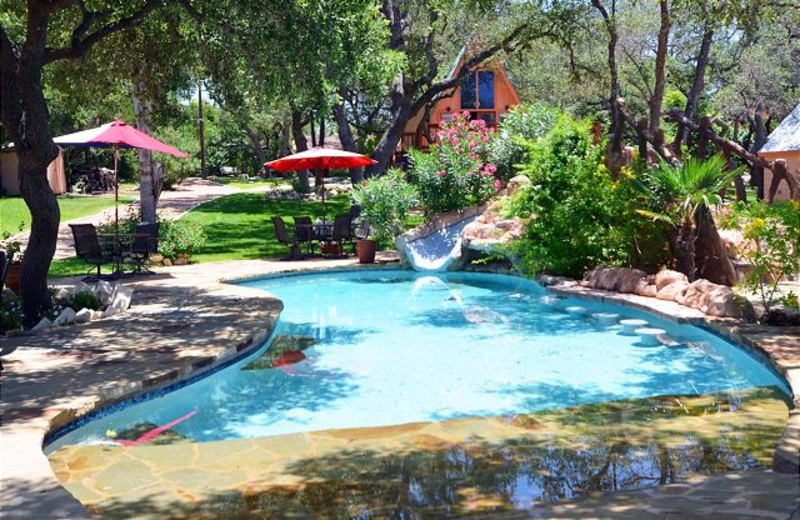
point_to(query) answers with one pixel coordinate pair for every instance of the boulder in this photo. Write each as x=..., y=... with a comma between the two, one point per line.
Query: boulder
x=723, y=303
x=517, y=182
x=105, y=291
x=61, y=294
x=645, y=288
x=43, y=324
x=83, y=315
x=667, y=276
x=81, y=287
x=672, y=291
x=66, y=317
x=122, y=300
x=628, y=279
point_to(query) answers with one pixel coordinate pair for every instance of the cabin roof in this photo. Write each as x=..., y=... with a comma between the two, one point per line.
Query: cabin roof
x=786, y=137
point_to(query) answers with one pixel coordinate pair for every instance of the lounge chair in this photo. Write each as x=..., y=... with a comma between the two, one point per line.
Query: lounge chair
x=144, y=244
x=283, y=238
x=88, y=249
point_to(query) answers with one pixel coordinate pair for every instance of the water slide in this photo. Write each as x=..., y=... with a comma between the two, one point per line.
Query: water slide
x=437, y=250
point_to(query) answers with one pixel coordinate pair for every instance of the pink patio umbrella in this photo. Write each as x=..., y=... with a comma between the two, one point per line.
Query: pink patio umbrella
x=117, y=134
x=320, y=159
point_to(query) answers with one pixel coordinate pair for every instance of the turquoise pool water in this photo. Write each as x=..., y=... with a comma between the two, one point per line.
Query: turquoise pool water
x=393, y=347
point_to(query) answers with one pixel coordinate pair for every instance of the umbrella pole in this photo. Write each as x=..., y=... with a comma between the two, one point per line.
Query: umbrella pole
x=117, y=248
x=322, y=191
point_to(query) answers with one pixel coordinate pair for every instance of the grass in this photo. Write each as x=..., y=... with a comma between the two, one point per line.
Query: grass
x=250, y=184
x=13, y=210
x=239, y=227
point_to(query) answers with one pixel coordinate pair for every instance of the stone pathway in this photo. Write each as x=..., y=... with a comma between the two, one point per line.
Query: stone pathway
x=172, y=204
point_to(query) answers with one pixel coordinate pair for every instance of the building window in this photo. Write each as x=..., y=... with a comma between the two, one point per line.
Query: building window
x=486, y=89
x=477, y=91
x=468, y=97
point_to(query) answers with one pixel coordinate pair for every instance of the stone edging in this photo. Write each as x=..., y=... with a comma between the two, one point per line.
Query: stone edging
x=786, y=458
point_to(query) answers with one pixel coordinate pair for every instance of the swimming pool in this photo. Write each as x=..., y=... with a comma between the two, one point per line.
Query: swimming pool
x=378, y=348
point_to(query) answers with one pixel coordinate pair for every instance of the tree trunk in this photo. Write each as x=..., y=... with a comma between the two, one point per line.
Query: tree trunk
x=346, y=138
x=614, y=155
x=255, y=142
x=147, y=184
x=711, y=257
x=321, y=139
x=391, y=137
x=301, y=145
x=23, y=113
x=660, y=68
x=759, y=139
x=693, y=98
x=42, y=203
x=683, y=245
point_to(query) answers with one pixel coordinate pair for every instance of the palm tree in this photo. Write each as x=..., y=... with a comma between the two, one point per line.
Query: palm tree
x=683, y=196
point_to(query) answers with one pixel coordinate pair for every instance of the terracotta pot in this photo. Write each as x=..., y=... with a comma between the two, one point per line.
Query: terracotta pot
x=366, y=251
x=12, y=277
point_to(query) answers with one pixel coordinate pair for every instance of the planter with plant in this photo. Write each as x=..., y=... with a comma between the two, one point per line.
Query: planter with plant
x=13, y=253
x=384, y=202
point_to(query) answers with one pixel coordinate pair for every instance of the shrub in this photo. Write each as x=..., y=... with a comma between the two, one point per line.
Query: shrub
x=10, y=314
x=578, y=217
x=81, y=300
x=180, y=238
x=523, y=123
x=773, y=233
x=384, y=202
x=175, y=237
x=457, y=172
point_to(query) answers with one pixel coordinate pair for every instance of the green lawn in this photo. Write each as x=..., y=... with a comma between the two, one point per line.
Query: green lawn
x=13, y=210
x=249, y=185
x=239, y=227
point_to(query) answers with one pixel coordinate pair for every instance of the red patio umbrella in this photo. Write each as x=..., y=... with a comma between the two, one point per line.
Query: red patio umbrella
x=117, y=134
x=320, y=159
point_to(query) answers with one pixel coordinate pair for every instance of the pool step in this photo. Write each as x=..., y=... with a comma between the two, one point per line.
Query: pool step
x=576, y=310
x=650, y=336
x=629, y=326
x=605, y=319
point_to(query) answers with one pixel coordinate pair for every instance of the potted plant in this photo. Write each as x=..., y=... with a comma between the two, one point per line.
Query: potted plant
x=12, y=249
x=384, y=202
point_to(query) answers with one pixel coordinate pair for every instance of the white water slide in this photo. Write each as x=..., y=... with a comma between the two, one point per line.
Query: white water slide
x=438, y=250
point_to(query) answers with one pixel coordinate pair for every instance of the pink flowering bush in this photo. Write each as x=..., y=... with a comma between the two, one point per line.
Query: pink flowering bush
x=457, y=172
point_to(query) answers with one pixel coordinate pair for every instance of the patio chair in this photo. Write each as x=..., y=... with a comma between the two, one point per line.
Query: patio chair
x=88, y=249
x=355, y=212
x=144, y=244
x=362, y=231
x=283, y=238
x=304, y=232
x=343, y=231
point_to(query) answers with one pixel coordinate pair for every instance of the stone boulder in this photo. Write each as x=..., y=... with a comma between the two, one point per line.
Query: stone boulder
x=628, y=279
x=517, y=182
x=645, y=287
x=66, y=317
x=667, y=277
x=672, y=291
x=602, y=277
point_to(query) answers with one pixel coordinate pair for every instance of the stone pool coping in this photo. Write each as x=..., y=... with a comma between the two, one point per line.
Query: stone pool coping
x=776, y=347
x=101, y=363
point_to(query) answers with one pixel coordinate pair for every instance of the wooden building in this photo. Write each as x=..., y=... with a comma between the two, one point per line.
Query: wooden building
x=486, y=94
x=783, y=143
x=9, y=174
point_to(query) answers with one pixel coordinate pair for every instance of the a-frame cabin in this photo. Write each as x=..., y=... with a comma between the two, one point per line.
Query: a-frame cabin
x=486, y=94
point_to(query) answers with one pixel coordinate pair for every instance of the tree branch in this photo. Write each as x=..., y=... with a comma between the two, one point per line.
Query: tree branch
x=726, y=144
x=81, y=44
x=508, y=44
